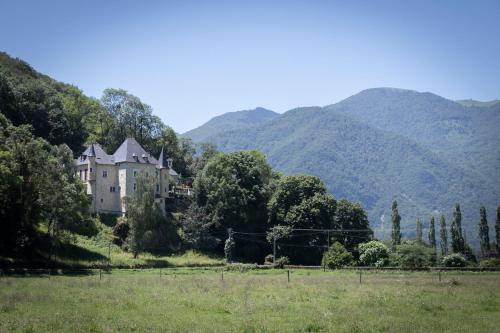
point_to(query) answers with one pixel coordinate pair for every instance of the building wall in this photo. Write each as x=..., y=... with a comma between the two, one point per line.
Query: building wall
x=106, y=189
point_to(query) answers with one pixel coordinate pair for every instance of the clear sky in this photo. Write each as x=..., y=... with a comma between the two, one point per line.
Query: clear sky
x=193, y=60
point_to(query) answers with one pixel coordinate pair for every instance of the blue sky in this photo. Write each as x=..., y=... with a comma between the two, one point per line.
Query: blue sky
x=193, y=60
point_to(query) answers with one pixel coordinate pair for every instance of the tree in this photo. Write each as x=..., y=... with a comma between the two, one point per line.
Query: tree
x=233, y=191
x=396, y=225
x=413, y=255
x=497, y=230
x=484, y=238
x=454, y=260
x=432, y=234
x=443, y=233
x=302, y=202
x=457, y=240
x=352, y=220
x=336, y=256
x=205, y=152
x=418, y=231
x=373, y=253
x=149, y=227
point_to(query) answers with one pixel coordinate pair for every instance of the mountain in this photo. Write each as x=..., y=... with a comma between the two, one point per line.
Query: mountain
x=379, y=145
x=471, y=102
x=231, y=121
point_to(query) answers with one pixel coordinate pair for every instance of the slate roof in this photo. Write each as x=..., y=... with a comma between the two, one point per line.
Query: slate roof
x=125, y=153
x=130, y=148
x=96, y=150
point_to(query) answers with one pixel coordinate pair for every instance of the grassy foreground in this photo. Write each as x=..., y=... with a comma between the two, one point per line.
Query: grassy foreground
x=197, y=300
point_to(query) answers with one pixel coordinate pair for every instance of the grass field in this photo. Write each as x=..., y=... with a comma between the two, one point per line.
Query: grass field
x=199, y=300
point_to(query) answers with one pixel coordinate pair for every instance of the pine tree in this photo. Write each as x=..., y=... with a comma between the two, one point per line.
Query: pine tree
x=484, y=237
x=432, y=234
x=418, y=231
x=457, y=240
x=497, y=230
x=396, y=225
x=443, y=233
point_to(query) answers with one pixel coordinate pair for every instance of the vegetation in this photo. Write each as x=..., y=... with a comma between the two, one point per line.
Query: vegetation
x=396, y=225
x=484, y=237
x=195, y=300
x=412, y=255
x=429, y=151
x=373, y=253
x=443, y=232
x=457, y=240
x=432, y=234
x=336, y=256
x=454, y=260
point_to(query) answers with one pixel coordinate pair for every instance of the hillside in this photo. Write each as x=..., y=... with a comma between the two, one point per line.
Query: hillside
x=373, y=162
x=58, y=112
x=472, y=102
x=231, y=121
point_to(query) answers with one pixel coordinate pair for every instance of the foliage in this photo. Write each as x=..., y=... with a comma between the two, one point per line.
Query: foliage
x=268, y=260
x=336, y=256
x=418, y=231
x=491, y=262
x=457, y=239
x=120, y=231
x=484, y=238
x=348, y=145
x=497, y=230
x=373, y=253
x=281, y=262
x=454, y=260
x=302, y=202
x=150, y=229
x=196, y=229
x=233, y=190
x=37, y=184
x=412, y=255
x=352, y=219
x=229, y=247
x=432, y=234
x=396, y=225
x=443, y=233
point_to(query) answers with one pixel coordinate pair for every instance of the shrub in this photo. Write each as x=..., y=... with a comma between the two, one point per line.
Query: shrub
x=239, y=267
x=373, y=253
x=413, y=255
x=336, y=256
x=492, y=262
x=454, y=260
x=120, y=231
x=281, y=262
x=268, y=260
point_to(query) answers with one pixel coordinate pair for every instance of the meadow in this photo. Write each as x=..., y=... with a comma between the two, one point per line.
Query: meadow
x=207, y=300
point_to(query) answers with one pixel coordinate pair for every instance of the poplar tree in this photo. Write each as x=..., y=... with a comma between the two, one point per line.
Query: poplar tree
x=457, y=240
x=484, y=238
x=418, y=231
x=497, y=230
x=443, y=233
x=432, y=234
x=396, y=225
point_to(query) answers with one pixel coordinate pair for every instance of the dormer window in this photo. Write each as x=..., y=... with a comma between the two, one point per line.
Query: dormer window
x=134, y=156
x=169, y=163
x=145, y=158
x=104, y=173
x=83, y=157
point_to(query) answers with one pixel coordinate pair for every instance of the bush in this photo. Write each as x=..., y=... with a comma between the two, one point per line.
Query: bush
x=492, y=262
x=336, y=256
x=413, y=255
x=120, y=231
x=268, y=260
x=281, y=262
x=373, y=253
x=454, y=260
x=239, y=267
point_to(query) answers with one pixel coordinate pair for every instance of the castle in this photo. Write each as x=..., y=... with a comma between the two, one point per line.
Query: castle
x=111, y=178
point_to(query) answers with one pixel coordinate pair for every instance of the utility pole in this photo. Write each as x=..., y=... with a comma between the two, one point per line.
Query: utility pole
x=274, y=249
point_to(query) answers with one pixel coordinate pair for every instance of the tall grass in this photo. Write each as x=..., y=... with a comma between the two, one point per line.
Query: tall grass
x=196, y=300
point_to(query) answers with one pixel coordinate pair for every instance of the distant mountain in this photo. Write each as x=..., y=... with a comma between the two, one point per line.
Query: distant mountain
x=379, y=145
x=471, y=102
x=231, y=121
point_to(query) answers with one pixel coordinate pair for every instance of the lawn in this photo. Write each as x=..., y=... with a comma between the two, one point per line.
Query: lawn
x=202, y=300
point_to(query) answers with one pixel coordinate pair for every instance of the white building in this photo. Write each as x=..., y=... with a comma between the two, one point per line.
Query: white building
x=110, y=178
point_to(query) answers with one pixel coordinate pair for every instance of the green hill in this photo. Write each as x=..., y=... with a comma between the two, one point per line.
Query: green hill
x=231, y=121
x=373, y=161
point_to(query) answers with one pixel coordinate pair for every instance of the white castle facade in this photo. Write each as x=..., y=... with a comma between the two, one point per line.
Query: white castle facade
x=111, y=178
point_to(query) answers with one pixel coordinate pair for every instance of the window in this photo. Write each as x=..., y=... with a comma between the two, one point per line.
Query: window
x=104, y=173
x=85, y=174
x=102, y=200
x=135, y=173
x=90, y=170
x=80, y=174
x=157, y=187
x=112, y=189
x=135, y=186
x=147, y=174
